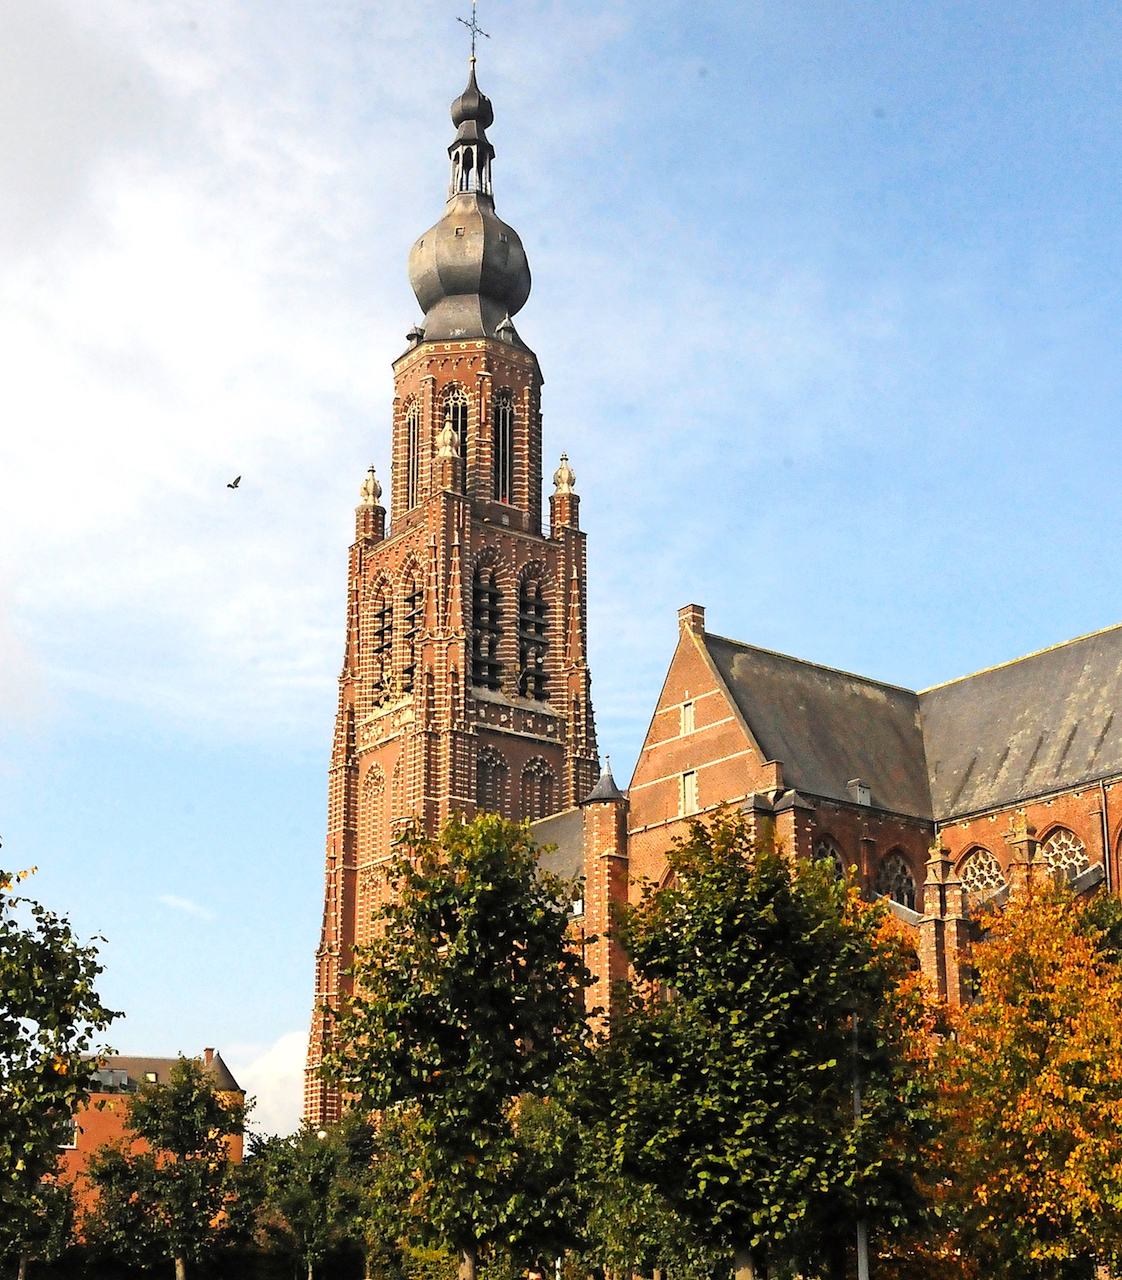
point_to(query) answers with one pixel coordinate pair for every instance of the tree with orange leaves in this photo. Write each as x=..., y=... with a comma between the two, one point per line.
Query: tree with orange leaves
x=1033, y=1091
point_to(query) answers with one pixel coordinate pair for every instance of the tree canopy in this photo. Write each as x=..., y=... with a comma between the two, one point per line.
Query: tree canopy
x=1033, y=1089
x=728, y=1083
x=50, y=1020
x=469, y=998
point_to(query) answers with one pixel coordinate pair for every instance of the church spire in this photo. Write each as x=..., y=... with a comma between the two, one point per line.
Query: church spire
x=469, y=272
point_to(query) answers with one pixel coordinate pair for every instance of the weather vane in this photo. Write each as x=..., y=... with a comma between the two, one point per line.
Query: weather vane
x=474, y=28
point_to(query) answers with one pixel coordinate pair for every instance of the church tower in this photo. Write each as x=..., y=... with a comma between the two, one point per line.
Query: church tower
x=465, y=682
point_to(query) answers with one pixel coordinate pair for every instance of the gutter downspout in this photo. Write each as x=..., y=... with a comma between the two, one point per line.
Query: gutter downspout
x=1108, y=870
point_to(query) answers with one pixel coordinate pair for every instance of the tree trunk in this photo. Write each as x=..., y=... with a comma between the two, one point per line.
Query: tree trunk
x=467, y=1262
x=24, y=1259
x=745, y=1263
x=311, y=1270
x=181, y=1269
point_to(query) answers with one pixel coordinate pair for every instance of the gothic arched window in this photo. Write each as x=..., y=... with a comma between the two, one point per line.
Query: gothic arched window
x=456, y=416
x=414, y=600
x=895, y=880
x=486, y=611
x=532, y=643
x=382, y=636
x=981, y=875
x=537, y=790
x=1063, y=851
x=490, y=782
x=413, y=454
x=503, y=445
x=826, y=850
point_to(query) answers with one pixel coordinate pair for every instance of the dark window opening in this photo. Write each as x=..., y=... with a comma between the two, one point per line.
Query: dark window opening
x=504, y=446
x=414, y=616
x=383, y=639
x=486, y=670
x=895, y=880
x=413, y=460
x=532, y=643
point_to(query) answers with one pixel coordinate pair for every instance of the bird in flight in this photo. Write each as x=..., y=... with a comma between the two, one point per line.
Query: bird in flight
x=234, y=483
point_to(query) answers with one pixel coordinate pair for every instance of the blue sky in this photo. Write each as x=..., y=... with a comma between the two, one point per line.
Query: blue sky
x=827, y=300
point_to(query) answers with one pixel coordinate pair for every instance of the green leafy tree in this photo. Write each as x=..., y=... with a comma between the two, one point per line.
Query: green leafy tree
x=313, y=1189
x=1033, y=1078
x=727, y=1085
x=165, y=1192
x=470, y=998
x=50, y=1019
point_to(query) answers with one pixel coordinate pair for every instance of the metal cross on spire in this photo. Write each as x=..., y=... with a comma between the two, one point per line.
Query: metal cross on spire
x=474, y=28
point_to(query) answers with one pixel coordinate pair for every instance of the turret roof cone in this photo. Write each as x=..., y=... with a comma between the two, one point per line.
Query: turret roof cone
x=606, y=788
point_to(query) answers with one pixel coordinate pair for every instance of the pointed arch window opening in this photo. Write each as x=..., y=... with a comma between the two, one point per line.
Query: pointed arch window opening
x=895, y=880
x=532, y=641
x=486, y=629
x=503, y=446
x=537, y=791
x=414, y=616
x=491, y=782
x=413, y=455
x=456, y=416
x=383, y=637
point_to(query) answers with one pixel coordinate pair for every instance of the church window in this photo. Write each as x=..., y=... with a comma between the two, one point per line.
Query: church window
x=486, y=600
x=532, y=643
x=981, y=875
x=490, y=782
x=383, y=636
x=689, y=793
x=411, y=633
x=537, y=790
x=413, y=454
x=686, y=725
x=826, y=850
x=1064, y=852
x=456, y=416
x=503, y=446
x=895, y=880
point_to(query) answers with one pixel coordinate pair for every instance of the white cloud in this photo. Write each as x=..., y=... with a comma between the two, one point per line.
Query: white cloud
x=185, y=904
x=275, y=1078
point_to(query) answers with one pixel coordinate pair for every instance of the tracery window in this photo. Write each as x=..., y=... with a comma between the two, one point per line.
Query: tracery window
x=532, y=642
x=826, y=850
x=1063, y=851
x=503, y=446
x=413, y=454
x=981, y=875
x=382, y=647
x=490, y=781
x=895, y=880
x=456, y=416
x=537, y=790
x=411, y=632
x=486, y=612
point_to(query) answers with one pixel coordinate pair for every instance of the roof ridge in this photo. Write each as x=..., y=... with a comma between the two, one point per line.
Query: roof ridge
x=806, y=662
x=1010, y=662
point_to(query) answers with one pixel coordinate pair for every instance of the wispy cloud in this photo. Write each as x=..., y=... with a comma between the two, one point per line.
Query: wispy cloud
x=185, y=904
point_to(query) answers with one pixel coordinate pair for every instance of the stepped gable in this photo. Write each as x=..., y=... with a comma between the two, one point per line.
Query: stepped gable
x=1043, y=723
x=829, y=727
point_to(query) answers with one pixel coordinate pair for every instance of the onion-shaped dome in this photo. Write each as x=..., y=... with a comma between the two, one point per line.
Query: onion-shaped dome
x=469, y=272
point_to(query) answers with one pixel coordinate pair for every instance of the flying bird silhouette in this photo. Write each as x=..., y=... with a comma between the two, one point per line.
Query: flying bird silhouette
x=234, y=483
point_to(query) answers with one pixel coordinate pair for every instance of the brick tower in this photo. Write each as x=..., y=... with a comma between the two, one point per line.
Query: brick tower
x=465, y=682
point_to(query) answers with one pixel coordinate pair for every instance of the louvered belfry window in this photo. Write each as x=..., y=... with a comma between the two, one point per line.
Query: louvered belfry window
x=486, y=615
x=532, y=642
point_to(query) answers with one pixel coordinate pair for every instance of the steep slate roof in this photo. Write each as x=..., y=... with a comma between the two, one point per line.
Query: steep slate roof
x=566, y=831
x=1046, y=722
x=828, y=727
